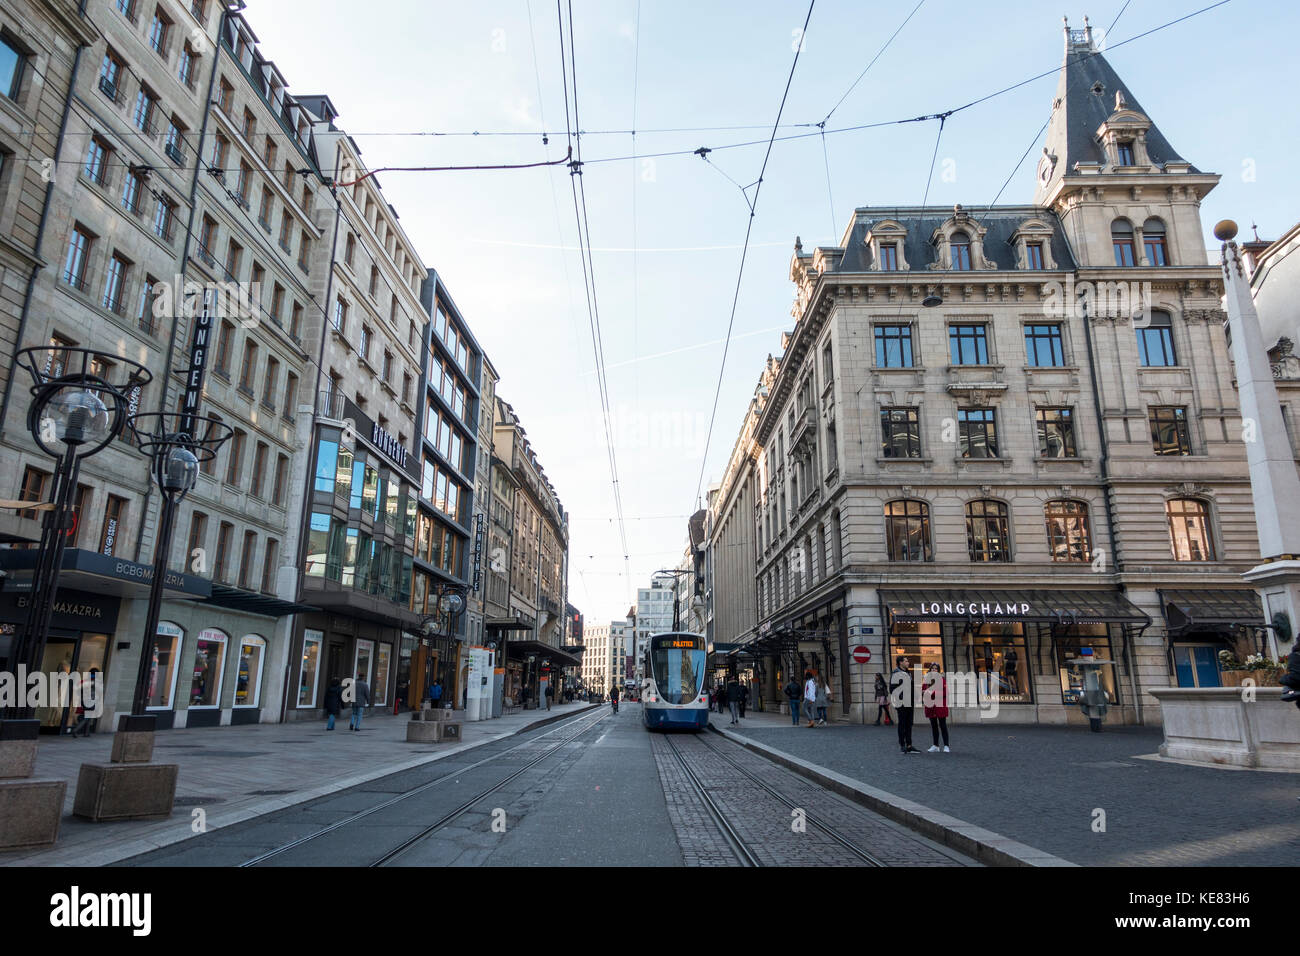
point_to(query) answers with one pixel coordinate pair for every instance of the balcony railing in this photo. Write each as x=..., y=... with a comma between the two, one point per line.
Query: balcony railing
x=330, y=405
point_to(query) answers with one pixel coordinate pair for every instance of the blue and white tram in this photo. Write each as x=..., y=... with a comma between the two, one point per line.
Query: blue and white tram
x=674, y=697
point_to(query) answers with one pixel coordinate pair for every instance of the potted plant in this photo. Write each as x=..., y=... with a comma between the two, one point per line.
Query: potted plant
x=1256, y=667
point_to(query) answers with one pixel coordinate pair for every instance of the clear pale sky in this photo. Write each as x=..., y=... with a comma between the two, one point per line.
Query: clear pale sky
x=1216, y=84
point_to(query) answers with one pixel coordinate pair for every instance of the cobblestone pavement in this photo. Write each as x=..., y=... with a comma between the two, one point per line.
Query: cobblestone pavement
x=1053, y=788
x=779, y=829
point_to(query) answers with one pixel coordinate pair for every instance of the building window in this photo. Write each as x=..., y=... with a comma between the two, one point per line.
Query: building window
x=96, y=168
x=142, y=115
x=340, y=317
x=132, y=190
x=1067, y=530
x=186, y=70
x=1156, y=342
x=900, y=433
x=968, y=344
x=1056, y=433
x=888, y=257
x=35, y=482
x=164, y=219
x=894, y=346
x=76, y=265
x=1034, y=255
x=235, y=463
x=198, y=534
x=248, y=369
x=363, y=347
x=259, y=470
x=290, y=396
x=907, y=531
x=110, y=74
x=147, y=321
x=208, y=240
x=1189, y=529
x=1169, y=435
x=959, y=245
x=225, y=95
x=977, y=432
x=1121, y=239
x=246, y=559
x=1153, y=242
x=987, y=531
x=222, y=365
x=1044, y=346
x=115, y=284
x=12, y=65
x=221, y=567
x=1124, y=149
x=281, y=479
x=159, y=30
x=110, y=539
x=269, y=559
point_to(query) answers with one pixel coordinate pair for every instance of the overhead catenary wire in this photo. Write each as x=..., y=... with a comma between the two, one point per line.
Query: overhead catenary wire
x=749, y=228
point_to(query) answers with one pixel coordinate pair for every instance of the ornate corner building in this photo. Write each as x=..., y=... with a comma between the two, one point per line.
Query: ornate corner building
x=1001, y=439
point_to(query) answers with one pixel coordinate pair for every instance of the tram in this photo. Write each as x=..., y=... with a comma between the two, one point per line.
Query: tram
x=674, y=697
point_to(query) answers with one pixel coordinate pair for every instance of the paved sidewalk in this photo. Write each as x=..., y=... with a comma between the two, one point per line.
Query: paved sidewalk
x=235, y=773
x=1043, y=786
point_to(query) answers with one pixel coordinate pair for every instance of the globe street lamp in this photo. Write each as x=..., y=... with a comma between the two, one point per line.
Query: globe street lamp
x=75, y=412
x=449, y=602
x=176, y=445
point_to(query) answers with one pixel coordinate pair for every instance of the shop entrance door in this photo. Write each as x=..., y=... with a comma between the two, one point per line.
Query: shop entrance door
x=1197, y=665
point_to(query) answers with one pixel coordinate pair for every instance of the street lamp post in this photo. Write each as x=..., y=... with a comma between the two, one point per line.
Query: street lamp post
x=72, y=416
x=177, y=444
x=450, y=601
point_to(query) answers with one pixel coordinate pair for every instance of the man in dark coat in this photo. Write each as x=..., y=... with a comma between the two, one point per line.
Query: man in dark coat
x=733, y=699
x=333, y=702
x=793, y=693
x=1291, y=679
x=902, y=693
x=360, y=701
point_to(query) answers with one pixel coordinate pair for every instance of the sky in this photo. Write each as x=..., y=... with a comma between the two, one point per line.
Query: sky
x=667, y=231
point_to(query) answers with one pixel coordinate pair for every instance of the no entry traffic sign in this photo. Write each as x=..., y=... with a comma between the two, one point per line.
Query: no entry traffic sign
x=861, y=654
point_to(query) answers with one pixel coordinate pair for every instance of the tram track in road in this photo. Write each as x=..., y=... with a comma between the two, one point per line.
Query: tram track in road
x=745, y=854
x=867, y=857
x=580, y=725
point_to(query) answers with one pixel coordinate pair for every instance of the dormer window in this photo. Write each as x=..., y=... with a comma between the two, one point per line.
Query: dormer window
x=1121, y=239
x=960, y=247
x=1124, y=150
x=1033, y=255
x=885, y=240
x=1032, y=241
x=889, y=257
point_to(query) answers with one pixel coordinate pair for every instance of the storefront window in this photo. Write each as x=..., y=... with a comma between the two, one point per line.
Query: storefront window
x=209, y=663
x=1069, y=645
x=361, y=665
x=309, y=667
x=379, y=687
x=162, y=669
x=1000, y=660
x=248, y=683
x=921, y=641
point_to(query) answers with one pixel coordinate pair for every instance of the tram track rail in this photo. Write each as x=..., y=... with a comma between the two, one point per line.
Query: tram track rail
x=810, y=817
x=580, y=724
x=744, y=853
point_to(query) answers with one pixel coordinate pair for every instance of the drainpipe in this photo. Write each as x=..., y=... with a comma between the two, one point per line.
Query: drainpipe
x=40, y=227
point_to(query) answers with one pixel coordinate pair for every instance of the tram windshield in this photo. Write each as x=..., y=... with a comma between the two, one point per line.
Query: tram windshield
x=678, y=670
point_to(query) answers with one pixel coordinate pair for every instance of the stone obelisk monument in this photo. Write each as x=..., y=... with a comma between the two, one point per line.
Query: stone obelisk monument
x=1274, y=480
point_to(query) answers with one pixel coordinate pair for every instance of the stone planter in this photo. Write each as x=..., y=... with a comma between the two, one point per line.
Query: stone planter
x=1224, y=726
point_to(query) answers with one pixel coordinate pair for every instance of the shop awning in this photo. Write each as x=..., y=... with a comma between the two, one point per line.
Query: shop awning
x=559, y=657
x=508, y=624
x=999, y=605
x=240, y=600
x=1211, y=609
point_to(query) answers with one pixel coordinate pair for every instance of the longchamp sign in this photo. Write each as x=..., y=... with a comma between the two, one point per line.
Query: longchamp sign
x=981, y=608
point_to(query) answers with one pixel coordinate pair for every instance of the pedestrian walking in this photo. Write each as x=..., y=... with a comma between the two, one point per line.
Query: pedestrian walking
x=333, y=702
x=744, y=698
x=901, y=690
x=360, y=700
x=934, y=697
x=87, y=725
x=882, y=701
x=793, y=693
x=733, y=700
x=810, y=698
x=823, y=699
x=550, y=695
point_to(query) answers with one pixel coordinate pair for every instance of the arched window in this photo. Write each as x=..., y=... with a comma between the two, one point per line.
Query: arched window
x=1189, y=529
x=162, y=669
x=1121, y=238
x=1153, y=242
x=960, y=248
x=209, y=668
x=988, y=531
x=1155, y=341
x=248, y=680
x=1067, y=530
x=907, y=531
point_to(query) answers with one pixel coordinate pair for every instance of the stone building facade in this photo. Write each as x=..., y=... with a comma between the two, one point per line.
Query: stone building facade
x=1006, y=440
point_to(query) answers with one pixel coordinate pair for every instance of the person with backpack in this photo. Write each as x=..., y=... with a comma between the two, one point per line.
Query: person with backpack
x=810, y=697
x=823, y=699
x=333, y=702
x=882, y=701
x=793, y=693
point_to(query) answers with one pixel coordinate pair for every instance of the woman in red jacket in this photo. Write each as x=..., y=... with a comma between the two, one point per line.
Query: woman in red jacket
x=934, y=697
